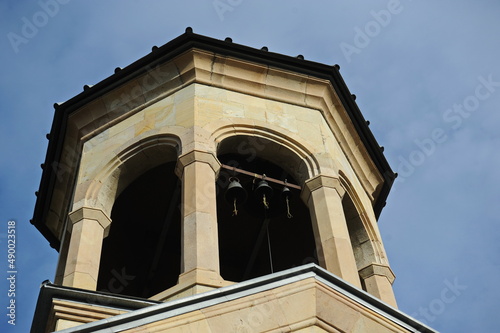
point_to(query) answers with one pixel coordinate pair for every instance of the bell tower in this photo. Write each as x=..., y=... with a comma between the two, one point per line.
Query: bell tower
x=209, y=169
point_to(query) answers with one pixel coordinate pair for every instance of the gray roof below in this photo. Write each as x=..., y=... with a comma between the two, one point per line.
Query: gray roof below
x=148, y=312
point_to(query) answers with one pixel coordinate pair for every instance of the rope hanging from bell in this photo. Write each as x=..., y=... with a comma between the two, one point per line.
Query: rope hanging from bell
x=265, y=191
x=286, y=193
x=235, y=210
x=264, y=201
x=288, y=214
x=235, y=193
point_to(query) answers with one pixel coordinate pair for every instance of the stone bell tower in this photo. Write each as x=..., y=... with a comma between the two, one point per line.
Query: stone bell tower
x=211, y=187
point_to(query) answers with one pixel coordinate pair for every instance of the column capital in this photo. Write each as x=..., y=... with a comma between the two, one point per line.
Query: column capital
x=89, y=213
x=196, y=156
x=318, y=182
x=377, y=269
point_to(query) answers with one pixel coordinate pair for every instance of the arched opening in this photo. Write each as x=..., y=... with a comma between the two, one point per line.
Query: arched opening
x=258, y=241
x=361, y=244
x=141, y=255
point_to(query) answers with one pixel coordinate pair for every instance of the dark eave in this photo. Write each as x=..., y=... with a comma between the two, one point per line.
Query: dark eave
x=177, y=46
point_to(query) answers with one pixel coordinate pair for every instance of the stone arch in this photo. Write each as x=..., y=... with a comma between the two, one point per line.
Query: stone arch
x=375, y=275
x=364, y=237
x=139, y=190
x=296, y=157
x=245, y=239
x=135, y=158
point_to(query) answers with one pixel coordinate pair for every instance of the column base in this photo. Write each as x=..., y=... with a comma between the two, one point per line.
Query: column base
x=191, y=283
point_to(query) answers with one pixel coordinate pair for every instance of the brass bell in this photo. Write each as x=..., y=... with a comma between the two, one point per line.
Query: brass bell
x=235, y=194
x=264, y=191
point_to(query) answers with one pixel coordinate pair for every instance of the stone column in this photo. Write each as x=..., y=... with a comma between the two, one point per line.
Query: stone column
x=378, y=281
x=200, y=246
x=89, y=226
x=323, y=195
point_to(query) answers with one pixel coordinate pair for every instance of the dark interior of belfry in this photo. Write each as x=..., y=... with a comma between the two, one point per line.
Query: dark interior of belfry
x=263, y=227
x=266, y=235
x=141, y=255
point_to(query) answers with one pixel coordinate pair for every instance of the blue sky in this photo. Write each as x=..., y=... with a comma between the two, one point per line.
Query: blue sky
x=426, y=75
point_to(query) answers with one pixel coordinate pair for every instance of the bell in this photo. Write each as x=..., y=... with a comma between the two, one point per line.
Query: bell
x=235, y=191
x=286, y=193
x=264, y=191
x=235, y=194
x=263, y=188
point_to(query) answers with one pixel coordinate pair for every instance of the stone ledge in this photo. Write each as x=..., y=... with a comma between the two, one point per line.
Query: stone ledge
x=88, y=213
x=278, y=297
x=196, y=156
x=318, y=182
x=377, y=269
